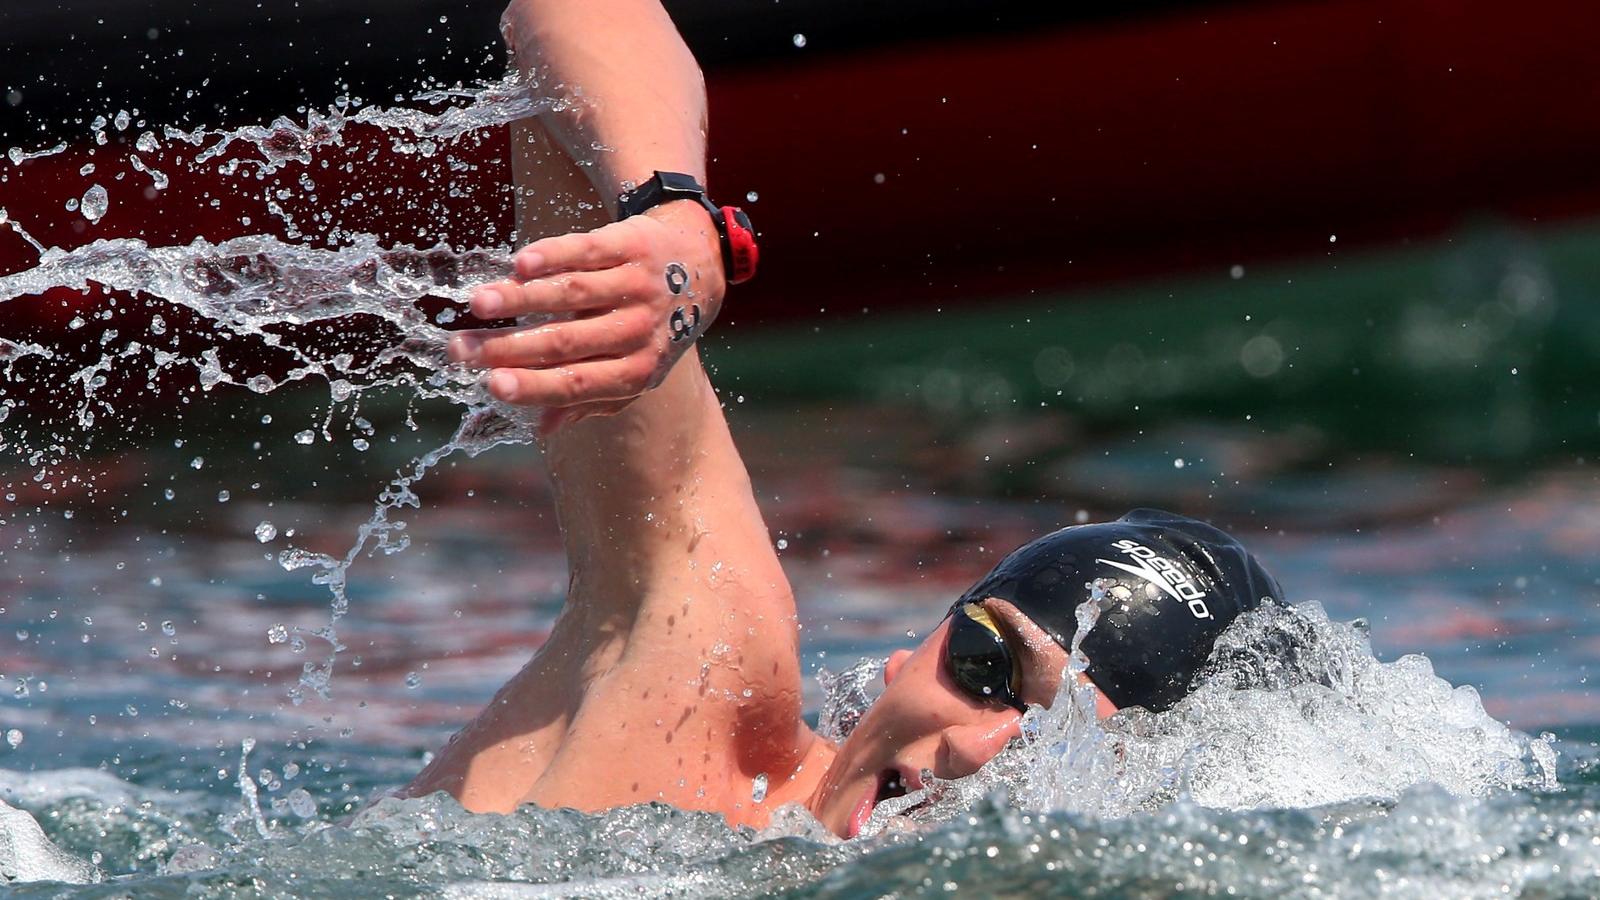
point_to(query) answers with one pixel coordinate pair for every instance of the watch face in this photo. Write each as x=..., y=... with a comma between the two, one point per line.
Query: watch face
x=677, y=185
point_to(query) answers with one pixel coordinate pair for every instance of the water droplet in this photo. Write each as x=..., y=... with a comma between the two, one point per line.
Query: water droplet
x=95, y=203
x=799, y=40
x=758, y=788
x=266, y=531
x=14, y=738
x=413, y=680
x=169, y=629
x=305, y=437
x=197, y=462
x=752, y=197
x=301, y=804
x=277, y=634
x=1178, y=463
x=783, y=543
x=224, y=496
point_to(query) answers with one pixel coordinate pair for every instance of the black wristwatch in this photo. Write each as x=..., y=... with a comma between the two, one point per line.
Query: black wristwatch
x=739, y=251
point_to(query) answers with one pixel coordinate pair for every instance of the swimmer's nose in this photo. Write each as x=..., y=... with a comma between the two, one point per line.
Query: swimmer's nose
x=963, y=749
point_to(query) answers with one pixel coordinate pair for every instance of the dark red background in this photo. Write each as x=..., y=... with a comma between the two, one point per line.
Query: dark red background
x=1019, y=162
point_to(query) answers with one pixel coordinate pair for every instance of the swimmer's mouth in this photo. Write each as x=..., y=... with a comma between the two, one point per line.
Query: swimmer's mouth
x=891, y=784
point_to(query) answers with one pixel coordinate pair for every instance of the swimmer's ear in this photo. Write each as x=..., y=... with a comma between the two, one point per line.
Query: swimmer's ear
x=891, y=669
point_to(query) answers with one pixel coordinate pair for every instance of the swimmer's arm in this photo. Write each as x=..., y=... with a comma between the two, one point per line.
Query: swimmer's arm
x=630, y=84
x=626, y=84
x=678, y=633
x=676, y=598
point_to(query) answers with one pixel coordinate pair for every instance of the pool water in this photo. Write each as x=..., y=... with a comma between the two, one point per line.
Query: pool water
x=141, y=656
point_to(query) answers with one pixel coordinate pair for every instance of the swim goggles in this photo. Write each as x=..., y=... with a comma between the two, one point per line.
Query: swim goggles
x=980, y=661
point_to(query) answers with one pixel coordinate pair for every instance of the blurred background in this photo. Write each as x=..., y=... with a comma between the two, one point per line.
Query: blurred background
x=1416, y=178
x=1322, y=271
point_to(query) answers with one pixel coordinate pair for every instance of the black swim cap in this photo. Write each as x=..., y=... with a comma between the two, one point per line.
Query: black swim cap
x=1173, y=584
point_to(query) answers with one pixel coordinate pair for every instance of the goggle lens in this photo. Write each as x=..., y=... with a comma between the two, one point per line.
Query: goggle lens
x=979, y=660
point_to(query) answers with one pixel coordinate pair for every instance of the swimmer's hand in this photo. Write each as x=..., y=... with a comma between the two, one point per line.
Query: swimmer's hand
x=625, y=302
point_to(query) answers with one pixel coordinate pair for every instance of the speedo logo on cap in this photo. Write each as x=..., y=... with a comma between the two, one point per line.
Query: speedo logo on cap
x=1164, y=574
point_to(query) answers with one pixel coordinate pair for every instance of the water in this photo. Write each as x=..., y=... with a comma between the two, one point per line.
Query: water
x=212, y=675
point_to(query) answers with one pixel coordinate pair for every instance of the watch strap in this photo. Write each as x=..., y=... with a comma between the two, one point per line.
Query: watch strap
x=740, y=253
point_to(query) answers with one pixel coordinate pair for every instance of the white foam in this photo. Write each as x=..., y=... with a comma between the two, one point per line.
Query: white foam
x=26, y=854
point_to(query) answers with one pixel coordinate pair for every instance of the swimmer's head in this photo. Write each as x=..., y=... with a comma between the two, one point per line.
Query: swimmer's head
x=1169, y=585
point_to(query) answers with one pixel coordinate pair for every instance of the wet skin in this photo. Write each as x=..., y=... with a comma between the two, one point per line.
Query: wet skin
x=673, y=673
x=925, y=721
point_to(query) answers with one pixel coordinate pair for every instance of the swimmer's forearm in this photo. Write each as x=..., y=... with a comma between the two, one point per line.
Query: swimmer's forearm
x=653, y=500
x=633, y=87
x=640, y=490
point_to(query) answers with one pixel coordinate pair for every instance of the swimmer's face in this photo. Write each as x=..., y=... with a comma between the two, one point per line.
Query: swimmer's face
x=925, y=719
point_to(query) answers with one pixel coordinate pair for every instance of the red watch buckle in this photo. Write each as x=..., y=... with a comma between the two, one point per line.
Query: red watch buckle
x=739, y=240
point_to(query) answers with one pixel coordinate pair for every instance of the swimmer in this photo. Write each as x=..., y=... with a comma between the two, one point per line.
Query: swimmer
x=673, y=672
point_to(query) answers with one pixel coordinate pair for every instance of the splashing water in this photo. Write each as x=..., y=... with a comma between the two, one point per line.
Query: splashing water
x=261, y=288
x=94, y=204
x=846, y=697
x=1294, y=712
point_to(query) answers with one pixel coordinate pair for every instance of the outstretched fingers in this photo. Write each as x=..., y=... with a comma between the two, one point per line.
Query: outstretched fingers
x=607, y=379
x=613, y=335
x=586, y=251
x=568, y=292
